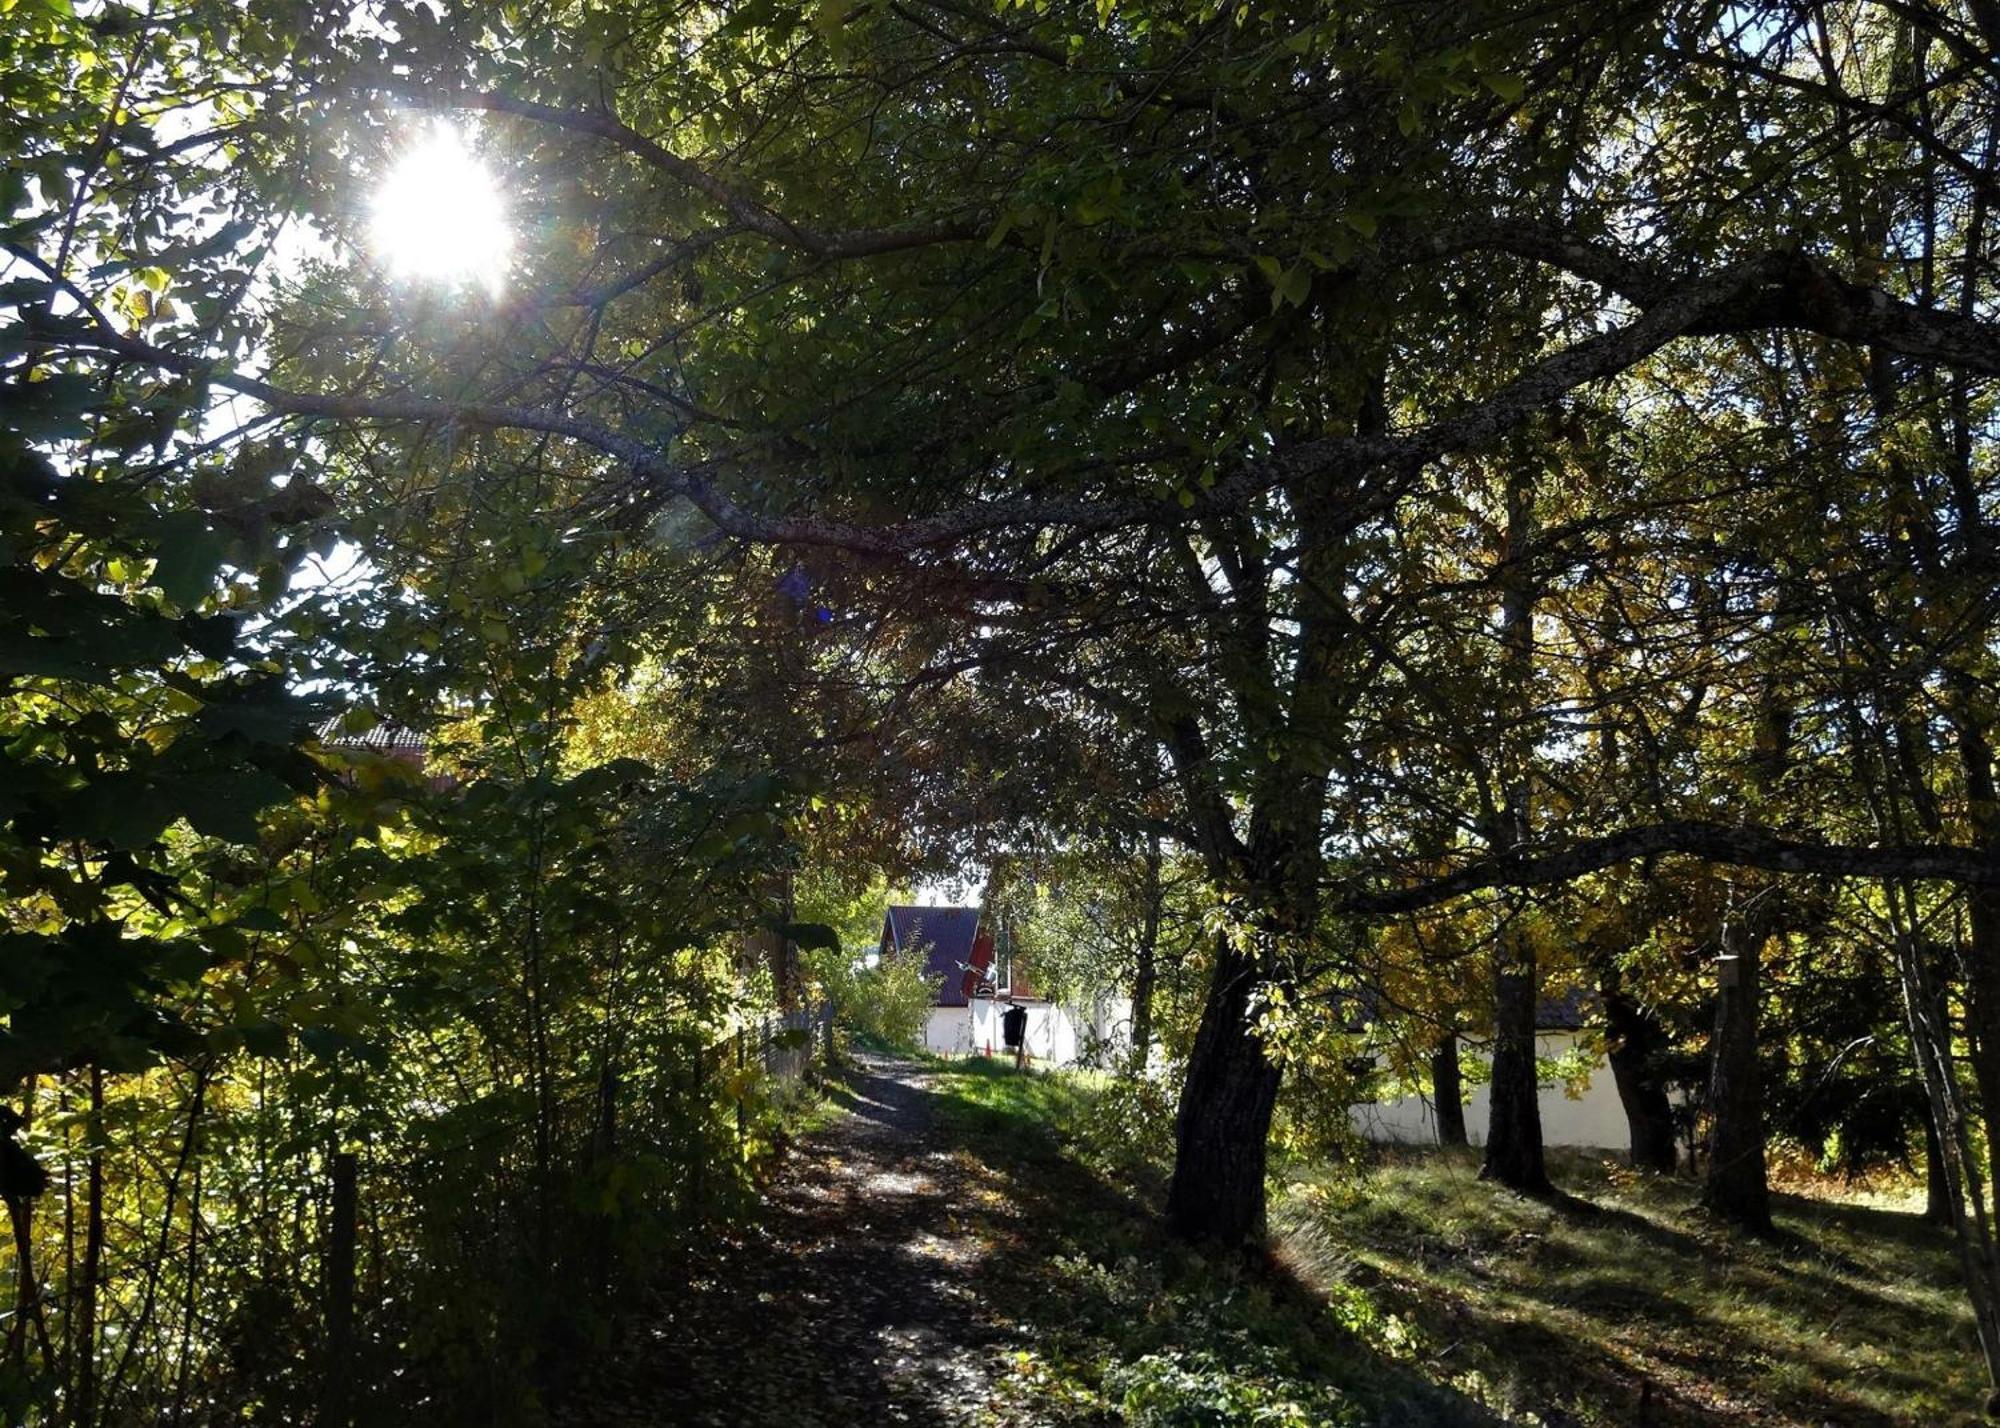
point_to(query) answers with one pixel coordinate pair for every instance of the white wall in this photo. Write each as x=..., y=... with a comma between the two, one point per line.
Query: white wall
x=1595, y=1121
x=1056, y=1035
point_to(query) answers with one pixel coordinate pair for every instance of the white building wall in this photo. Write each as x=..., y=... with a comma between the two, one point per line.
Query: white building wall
x=1056, y=1035
x=1593, y=1121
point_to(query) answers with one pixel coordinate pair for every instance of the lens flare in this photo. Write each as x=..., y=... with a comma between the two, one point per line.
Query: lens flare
x=439, y=216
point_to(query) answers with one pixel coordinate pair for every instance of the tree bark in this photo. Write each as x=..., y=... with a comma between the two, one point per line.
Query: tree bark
x=1952, y=1145
x=1448, y=1091
x=1636, y=1043
x=770, y=946
x=1982, y=952
x=1937, y=1179
x=1514, y=1128
x=22, y=1181
x=1735, y=1187
x=1217, y=1194
x=84, y=1371
x=1146, y=968
x=336, y=1401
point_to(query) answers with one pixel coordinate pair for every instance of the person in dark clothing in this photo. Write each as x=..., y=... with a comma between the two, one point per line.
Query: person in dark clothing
x=1014, y=1031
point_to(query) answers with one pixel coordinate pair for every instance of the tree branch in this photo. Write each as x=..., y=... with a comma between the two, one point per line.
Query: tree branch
x=745, y=211
x=1731, y=844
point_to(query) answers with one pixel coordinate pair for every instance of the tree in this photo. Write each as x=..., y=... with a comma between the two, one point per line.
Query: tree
x=1134, y=343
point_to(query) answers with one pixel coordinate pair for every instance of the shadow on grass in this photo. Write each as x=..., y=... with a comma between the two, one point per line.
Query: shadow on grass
x=1116, y=1306
x=1625, y=1305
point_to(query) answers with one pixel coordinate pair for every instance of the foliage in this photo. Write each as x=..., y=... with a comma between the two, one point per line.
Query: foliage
x=1204, y=1389
x=1400, y=463
x=886, y=1003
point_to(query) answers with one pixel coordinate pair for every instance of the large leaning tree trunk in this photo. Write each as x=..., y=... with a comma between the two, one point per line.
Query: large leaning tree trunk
x=1293, y=697
x=1965, y=1190
x=1226, y=1104
x=1637, y=1042
x=1448, y=1091
x=1735, y=1186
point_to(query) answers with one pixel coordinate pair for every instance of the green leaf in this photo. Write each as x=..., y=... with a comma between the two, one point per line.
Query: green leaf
x=226, y=807
x=190, y=558
x=263, y=713
x=1294, y=285
x=51, y=409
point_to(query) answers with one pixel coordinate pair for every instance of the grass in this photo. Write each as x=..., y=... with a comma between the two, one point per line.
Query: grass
x=1415, y=1294
x=985, y=1097
x=1621, y=1303
x=1126, y=1326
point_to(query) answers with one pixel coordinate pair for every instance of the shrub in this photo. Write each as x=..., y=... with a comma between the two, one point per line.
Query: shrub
x=887, y=1003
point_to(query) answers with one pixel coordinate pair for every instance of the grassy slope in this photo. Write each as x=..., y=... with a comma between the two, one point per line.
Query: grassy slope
x=1127, y=1327
x=1854, y=1317
x=1420, y=1296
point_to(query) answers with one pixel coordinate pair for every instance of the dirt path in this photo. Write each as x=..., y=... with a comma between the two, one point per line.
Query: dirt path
x=863, y=1295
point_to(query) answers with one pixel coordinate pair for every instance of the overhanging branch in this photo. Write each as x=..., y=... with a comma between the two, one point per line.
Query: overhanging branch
x=1734, y=845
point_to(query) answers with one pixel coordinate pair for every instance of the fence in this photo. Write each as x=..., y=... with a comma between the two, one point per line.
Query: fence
x=787, y=1043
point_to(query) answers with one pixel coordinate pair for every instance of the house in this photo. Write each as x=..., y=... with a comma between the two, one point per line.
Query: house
x=1582, y=1113
x=978, y=978
x=400, y=745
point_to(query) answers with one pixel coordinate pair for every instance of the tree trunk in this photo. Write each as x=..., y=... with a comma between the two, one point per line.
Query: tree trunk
x=1448, y=1091
x=1636, y=1042
x=336, y=1402
x=1735, y=1187
x=1982, y=951
x=1146, y=968
x=1217, y=1193
x=1937, y=1179
x=603, y=1154
x=1952, y=1144
x=1982, y=1007
x=85, y=1368
x=769, y=946
x=1514, y=1128
x=22, y=1180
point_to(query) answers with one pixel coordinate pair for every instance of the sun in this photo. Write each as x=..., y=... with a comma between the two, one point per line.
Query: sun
x=439, y=216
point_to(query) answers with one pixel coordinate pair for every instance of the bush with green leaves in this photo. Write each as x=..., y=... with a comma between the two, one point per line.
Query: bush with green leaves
x=885, y=1003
